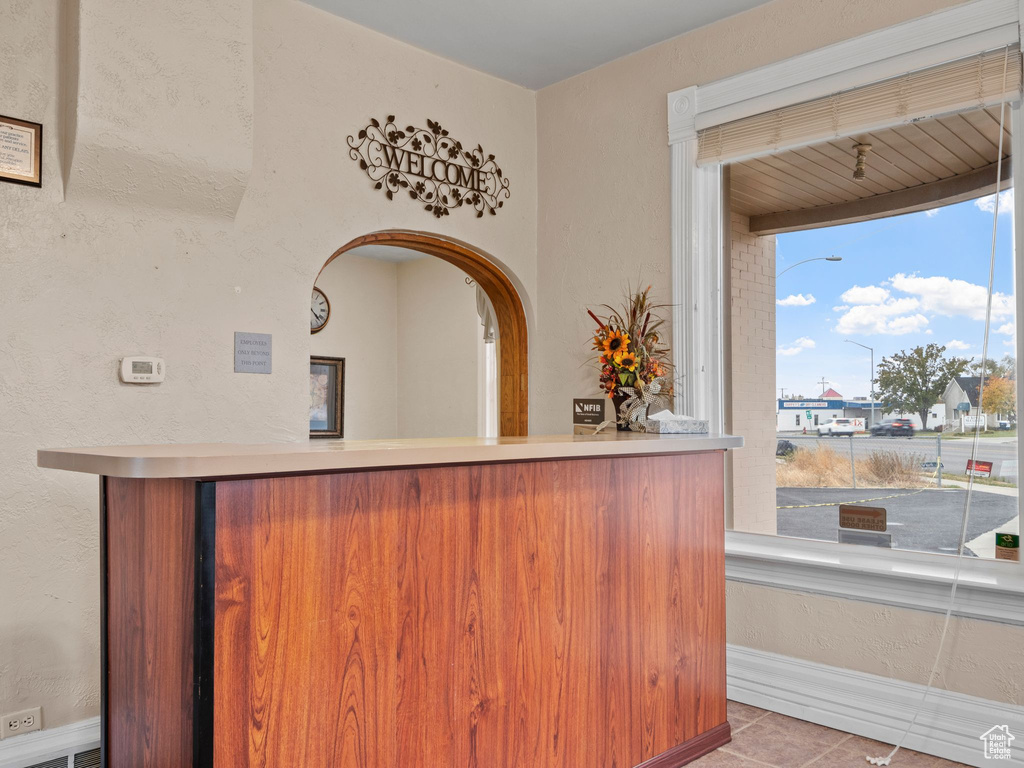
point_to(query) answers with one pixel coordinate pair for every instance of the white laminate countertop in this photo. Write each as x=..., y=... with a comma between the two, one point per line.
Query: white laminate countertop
x=204, y=460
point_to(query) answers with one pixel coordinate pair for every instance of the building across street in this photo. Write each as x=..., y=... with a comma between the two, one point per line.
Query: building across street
x=796, y=415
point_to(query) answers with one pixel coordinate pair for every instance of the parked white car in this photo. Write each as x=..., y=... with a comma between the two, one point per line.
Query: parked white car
x=837, y=427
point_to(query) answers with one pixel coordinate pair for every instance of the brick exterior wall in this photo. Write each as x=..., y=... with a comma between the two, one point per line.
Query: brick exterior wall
x=752, y=381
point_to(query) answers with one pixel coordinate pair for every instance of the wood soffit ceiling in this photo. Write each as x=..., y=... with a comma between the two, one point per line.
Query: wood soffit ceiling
x=910, y=167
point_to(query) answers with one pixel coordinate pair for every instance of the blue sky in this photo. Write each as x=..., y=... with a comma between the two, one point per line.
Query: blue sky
x=903, y=282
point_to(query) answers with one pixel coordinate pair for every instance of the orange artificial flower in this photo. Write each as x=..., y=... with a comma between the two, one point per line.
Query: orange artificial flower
x=617, y=341
x=626, y=360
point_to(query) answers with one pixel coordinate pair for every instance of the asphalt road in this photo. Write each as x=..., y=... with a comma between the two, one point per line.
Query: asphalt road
x=926, y=521
x=1002, y=452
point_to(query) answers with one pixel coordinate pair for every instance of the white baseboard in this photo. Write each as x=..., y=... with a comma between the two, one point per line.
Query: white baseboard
x=65, y=740
x=950, y=724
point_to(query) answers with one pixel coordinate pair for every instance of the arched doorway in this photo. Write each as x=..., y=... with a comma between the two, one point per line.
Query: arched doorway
x=508, y=308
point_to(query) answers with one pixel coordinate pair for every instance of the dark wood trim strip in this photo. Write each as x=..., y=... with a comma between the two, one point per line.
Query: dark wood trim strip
x=691, y=749
x=203, y=628
x=104, y=660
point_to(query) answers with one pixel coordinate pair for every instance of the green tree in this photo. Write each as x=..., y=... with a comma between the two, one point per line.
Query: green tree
x=913, y=381
x=996, y=369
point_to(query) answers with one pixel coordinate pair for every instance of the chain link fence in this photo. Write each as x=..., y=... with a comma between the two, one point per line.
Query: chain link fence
x=810, y=461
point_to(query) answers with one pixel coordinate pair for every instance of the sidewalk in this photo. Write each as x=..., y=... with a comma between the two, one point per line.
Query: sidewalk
x=985, y=544
x=980, y=487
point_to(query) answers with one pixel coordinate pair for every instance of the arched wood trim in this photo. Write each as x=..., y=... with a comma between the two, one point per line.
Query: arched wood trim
x=512, y=333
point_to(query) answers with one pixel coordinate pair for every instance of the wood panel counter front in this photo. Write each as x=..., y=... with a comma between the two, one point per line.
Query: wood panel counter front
x=510, y=603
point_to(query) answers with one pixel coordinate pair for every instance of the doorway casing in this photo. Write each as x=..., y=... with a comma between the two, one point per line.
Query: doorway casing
x=513, y=387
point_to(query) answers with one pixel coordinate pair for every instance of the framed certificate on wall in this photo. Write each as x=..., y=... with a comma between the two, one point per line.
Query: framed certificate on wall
x=326, y=397
x=21, y=152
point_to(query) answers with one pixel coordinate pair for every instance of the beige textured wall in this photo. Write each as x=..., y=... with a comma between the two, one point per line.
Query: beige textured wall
x=437, y=351
x=603, y=175
x=107, y=272
x=752, y=381
x=603, y=162
x=408, y=332
x=364, y=306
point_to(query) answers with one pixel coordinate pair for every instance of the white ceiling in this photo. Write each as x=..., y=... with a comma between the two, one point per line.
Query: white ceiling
x=533, y=42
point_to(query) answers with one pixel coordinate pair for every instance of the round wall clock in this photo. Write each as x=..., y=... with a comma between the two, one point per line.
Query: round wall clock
x=319, y=311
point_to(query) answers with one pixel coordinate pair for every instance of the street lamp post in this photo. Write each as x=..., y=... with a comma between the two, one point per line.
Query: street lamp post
x=872, y=393
x=817, y=258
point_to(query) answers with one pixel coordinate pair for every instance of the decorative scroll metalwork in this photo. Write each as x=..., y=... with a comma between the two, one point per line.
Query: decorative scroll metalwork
x=431, y=166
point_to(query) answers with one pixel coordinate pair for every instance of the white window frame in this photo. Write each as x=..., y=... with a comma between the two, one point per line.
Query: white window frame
x=988, y=589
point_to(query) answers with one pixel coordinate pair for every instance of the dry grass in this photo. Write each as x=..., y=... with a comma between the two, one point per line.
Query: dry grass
x=823, y=467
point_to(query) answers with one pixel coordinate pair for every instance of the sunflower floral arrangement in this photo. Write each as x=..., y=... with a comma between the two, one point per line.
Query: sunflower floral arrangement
x=632, y=360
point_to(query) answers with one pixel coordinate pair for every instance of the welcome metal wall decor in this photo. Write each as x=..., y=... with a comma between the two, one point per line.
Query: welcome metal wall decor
x=431, y=166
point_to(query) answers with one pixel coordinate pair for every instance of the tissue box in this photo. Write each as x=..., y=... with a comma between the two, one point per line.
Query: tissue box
x=678, y=426
x=665, y=422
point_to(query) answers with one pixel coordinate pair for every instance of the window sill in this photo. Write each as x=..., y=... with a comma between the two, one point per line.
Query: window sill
x=989, y=589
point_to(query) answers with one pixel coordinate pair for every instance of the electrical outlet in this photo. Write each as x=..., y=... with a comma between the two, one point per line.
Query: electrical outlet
x=17, y=723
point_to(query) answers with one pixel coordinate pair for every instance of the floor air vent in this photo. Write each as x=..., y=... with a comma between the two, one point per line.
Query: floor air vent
x=90, y=758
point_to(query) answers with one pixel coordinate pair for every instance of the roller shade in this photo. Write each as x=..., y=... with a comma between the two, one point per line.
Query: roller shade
x=968, y=83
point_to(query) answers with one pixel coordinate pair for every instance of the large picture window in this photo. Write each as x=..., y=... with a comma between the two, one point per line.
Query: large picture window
x=871, y=254
x=752, y=187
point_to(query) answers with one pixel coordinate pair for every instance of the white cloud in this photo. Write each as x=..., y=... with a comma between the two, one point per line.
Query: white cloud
x=957, y=344
x=907, y=324
x=867, y=294
x=797, y=346
x=952, y=297
x=987, y=203
x=840, y=308
x=796, y=300
x=1008, y=329
x=932, y=212
x=893, y=317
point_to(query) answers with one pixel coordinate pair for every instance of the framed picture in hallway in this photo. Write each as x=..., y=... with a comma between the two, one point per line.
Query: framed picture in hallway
x=326, y=397
x=21, y=152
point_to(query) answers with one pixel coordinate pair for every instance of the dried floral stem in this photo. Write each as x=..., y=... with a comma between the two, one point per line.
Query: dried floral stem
x=630, y=352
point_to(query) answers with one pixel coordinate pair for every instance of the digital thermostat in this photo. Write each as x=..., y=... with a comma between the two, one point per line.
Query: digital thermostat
x=142, y=370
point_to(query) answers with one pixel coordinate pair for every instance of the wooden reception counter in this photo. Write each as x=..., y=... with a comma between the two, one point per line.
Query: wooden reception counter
x=508, y=603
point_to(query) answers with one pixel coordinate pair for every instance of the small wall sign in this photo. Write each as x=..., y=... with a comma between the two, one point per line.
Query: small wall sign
x=862, y=518
x=252, y=352
x=430, y=166
x=21, y=152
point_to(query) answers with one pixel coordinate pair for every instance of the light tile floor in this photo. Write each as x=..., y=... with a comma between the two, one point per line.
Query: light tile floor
x=761, y=738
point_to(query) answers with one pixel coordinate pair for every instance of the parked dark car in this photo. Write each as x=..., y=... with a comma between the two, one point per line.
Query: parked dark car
x=893, y=427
